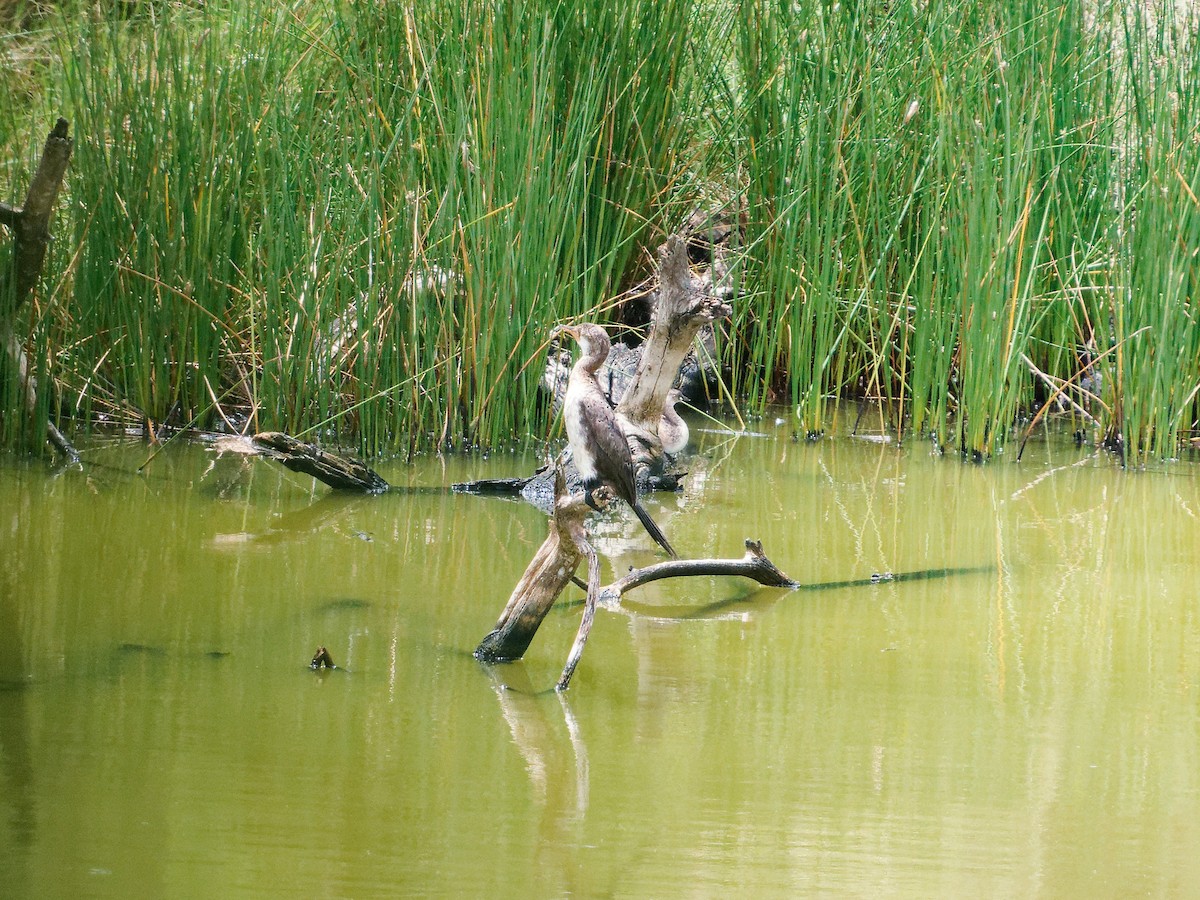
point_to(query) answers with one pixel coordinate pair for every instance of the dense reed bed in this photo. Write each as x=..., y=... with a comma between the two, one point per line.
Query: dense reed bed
x=359, y=222
x=349, y=221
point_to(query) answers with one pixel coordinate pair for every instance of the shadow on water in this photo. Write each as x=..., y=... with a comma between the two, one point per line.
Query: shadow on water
x=756, y=597
x=324, y=615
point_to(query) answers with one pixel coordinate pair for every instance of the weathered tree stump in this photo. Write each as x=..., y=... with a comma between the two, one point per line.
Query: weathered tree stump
x=30, y=226
x=685, y=305
x=683, y=308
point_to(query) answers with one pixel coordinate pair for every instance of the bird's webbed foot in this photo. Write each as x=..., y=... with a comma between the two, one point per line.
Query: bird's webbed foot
x=598, y=496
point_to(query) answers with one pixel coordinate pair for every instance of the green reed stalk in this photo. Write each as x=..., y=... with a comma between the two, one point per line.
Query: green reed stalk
x=363, y=217
x=1152, y=318
x=359, y=222
x=929, y=193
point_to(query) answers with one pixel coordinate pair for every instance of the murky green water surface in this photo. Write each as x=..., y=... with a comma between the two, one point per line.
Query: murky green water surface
x=1031, y=729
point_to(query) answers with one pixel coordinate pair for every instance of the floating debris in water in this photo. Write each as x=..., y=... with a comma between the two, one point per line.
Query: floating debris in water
x=322, y=660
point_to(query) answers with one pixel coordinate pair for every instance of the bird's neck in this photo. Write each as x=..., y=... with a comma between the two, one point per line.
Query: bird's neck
x=586, y=369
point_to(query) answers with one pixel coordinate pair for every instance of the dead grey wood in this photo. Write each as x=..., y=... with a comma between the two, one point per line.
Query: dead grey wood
x=754, y=565
x=339, y=472
x=589, y=614
x=31, y=223
x=550, y=570
x=30, y=227
x=684, y=307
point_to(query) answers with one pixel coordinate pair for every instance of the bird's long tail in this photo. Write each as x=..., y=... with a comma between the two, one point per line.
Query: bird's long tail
x=655, y=531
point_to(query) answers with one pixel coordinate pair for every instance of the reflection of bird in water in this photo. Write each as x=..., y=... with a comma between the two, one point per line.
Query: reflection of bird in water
x=672, y=430
x=598, y=444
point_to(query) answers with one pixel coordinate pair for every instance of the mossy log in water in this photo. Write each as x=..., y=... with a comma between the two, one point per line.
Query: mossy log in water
x=30, y=226
x=339, y=472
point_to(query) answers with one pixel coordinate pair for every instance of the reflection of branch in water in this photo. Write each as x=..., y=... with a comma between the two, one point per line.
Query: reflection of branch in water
x=562, y=789
x=329, y=510
x=583, y=777
x=526, y=712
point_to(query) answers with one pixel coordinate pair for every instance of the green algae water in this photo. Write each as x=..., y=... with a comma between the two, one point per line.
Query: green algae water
x=1028, y=728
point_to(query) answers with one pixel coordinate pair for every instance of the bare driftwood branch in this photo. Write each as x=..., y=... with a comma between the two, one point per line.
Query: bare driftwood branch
x=589, y=614
x=31, y=239
x=550, y=570
x=754, y=565
x=684, y=306
x=339, y=472
x=28, y=383
x=553, y=568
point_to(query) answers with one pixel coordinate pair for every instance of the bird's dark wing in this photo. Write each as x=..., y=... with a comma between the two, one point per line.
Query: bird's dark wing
x=614, y=464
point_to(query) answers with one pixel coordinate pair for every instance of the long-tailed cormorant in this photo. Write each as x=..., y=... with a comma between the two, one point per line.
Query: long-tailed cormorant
x=598, y=444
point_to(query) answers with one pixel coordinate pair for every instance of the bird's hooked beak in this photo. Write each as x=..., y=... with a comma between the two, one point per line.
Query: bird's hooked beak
x=569, y=330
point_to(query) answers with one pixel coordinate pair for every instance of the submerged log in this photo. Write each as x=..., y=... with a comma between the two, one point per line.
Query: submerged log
x=339, y=472
x=30, y=226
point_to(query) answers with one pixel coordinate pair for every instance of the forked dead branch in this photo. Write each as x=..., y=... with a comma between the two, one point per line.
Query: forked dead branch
x=683, y=308
x=30, y=227
x=554, y=565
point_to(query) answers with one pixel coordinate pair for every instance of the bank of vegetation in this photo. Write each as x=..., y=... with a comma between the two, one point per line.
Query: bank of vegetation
x=357, y=222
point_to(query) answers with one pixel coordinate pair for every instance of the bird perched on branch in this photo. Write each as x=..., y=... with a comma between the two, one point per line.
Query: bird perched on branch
x=598, y=444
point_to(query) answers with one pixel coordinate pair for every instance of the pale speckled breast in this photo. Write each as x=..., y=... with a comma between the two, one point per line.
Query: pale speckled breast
x=577, y=434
